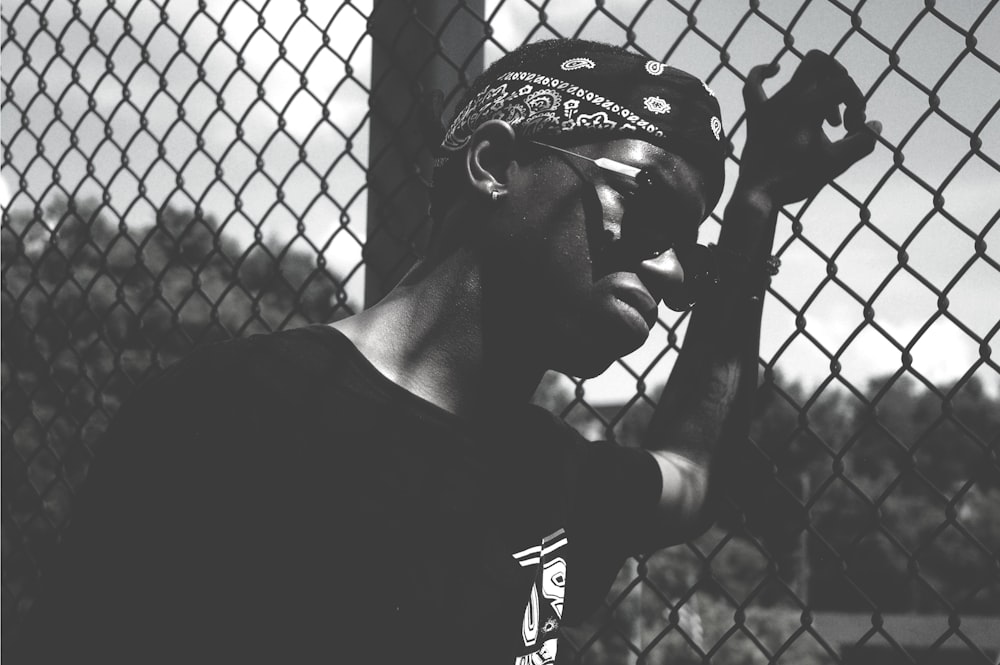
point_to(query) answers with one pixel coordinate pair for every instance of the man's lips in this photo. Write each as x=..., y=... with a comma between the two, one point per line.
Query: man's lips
x=636, y=296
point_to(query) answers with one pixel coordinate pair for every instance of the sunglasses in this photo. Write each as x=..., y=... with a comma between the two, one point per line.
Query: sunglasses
x=644, y=232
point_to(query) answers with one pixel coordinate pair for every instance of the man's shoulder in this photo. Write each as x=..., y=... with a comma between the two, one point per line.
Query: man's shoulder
x=310, y=350
x=227, y=398
x=259, y=372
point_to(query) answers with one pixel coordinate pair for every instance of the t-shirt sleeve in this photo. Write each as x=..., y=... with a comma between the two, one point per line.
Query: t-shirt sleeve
x=611, y=495
x=614, y=492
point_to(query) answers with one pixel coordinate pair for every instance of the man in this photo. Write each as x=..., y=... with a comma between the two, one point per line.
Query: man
x=379, y=490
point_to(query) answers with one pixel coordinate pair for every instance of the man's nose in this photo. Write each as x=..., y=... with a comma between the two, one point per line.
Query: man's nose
x=663, y=275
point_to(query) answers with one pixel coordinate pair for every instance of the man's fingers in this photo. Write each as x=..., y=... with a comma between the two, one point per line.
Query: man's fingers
x=826, y=98
x=853, y=147
x=815, y=66
x=821, y=72
x=833, y=116
x=854, y=112
x=753, y=89
x=855, y=104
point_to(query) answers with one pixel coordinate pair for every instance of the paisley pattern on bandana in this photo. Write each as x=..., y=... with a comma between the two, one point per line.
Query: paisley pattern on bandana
x=656, y=105
x=655, y=68
x=577, y=63
x=546, y=105
x=716, y=126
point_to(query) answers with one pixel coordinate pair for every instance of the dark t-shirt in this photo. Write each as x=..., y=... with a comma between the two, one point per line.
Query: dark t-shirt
x=276, y=498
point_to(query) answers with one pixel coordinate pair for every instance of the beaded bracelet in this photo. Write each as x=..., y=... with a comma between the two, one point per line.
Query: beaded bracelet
x=731, y=267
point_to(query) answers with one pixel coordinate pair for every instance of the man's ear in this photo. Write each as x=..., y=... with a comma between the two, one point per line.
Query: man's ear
x=490, y=158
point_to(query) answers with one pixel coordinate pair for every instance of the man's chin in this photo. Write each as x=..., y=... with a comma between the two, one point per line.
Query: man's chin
x=603, y=353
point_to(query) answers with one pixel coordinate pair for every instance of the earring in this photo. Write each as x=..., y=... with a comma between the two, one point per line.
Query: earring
x=494, y=195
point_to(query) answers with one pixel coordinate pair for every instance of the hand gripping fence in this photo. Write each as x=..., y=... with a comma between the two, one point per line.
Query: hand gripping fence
x=177, y=172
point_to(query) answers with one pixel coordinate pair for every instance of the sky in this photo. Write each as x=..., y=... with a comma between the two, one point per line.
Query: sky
x=126, y=106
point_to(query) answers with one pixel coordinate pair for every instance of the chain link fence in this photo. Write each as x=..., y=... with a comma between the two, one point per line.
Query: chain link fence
x=177, y=172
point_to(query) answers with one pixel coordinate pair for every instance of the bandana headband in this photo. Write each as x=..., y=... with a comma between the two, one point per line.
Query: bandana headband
x=537, y=109
x=600, y=96
x=546, y=105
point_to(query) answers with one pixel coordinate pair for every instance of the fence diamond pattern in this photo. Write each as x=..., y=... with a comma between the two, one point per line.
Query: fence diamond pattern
x=178, y=172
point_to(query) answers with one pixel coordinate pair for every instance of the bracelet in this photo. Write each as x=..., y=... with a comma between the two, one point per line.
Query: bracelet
x=771, y=267
x=719, y=265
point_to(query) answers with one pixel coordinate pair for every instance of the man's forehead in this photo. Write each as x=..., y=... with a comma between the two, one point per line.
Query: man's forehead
x=634, y=152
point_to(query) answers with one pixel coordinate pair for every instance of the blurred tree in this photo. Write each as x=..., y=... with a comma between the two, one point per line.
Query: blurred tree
x=90, y=309
x=901, y=521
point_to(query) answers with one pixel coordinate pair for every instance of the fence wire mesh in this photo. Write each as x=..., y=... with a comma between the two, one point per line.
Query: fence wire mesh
x=177, y=172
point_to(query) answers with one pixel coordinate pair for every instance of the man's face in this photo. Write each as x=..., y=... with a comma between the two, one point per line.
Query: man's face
x=591, y=259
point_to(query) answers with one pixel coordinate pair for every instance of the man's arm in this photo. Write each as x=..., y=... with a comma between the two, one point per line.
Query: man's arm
x=705, y=408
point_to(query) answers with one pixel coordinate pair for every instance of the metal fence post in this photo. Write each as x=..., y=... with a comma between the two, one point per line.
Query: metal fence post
x=417, y=46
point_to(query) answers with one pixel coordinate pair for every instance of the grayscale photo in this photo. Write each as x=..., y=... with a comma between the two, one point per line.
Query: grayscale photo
x=514, y=332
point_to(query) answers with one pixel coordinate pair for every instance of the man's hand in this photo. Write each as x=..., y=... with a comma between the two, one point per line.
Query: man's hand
x=700, y=425
x=788, y=155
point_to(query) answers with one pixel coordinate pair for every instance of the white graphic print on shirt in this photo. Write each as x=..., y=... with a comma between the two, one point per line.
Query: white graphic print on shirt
x=540, y=628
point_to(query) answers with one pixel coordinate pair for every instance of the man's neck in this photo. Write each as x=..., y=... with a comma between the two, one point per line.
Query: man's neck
x=428, y=336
